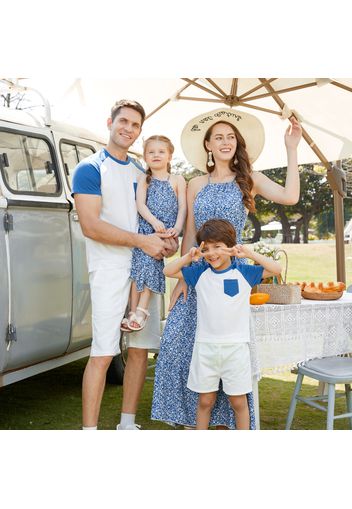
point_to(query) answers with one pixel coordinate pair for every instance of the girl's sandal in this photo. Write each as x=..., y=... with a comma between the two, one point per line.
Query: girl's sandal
x=138, y=319
x=125, y=323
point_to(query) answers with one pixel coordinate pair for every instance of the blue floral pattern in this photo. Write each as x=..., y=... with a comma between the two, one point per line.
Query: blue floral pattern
x=162, y=203
x=172, y=401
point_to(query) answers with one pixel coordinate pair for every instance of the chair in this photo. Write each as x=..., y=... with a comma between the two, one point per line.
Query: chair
x=330, y=370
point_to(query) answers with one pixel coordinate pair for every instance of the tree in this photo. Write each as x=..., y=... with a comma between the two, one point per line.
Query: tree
x=315, y=197
x=182, y=167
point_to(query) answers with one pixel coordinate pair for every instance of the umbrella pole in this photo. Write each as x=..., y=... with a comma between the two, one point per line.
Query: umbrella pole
x=339, y=237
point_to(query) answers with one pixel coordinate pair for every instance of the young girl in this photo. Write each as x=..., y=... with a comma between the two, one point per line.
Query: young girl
x=223, y=287
x=161, y=203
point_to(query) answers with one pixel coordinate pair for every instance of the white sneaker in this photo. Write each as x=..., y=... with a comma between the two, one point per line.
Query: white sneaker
x=129, y=427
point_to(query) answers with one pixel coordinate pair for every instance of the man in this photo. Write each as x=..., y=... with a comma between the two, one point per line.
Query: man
x=104, y=187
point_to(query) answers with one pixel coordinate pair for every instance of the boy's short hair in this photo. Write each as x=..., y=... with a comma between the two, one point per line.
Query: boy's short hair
x=217, y=230
x=126, y=103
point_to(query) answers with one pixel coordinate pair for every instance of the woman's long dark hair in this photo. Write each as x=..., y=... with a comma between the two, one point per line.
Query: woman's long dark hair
x=239, y=165
x=164, y=139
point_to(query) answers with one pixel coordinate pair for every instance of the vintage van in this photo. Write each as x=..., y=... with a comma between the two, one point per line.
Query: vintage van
x=45, y=310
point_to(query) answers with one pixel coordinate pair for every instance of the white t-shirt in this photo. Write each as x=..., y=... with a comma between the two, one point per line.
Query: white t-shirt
x=116, y=182
x=223, y=300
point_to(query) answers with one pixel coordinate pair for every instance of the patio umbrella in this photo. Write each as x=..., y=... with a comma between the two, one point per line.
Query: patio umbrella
x=323, y=106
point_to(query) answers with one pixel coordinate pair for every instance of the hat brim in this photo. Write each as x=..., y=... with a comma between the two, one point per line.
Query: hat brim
x=194, y=131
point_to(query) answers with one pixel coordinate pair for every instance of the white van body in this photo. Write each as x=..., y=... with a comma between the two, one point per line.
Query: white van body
x=45, y=310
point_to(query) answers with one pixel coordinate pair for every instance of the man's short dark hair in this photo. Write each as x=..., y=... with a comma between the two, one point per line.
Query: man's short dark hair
x=217, y=230
x=126, y=103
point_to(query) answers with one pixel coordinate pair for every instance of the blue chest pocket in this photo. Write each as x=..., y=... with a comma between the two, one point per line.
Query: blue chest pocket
x=135, y=189
x=231, y=287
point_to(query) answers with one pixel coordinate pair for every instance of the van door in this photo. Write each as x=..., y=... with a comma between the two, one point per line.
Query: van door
x=72, y=151
x=39, y=247
x=4, y=290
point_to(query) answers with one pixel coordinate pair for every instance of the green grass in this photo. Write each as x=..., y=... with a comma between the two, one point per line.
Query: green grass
x=315, y=262
x=52, y=401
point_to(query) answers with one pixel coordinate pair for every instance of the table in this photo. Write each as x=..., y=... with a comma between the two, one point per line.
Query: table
x=284, y=335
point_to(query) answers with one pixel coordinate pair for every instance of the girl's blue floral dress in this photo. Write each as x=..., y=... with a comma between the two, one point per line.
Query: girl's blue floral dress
x=162, y=203
x=172, y=401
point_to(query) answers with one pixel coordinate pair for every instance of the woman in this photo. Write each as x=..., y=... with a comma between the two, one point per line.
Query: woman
x=225, y=142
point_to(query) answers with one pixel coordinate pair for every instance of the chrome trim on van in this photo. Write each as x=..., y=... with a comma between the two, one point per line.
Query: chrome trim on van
x=39, y=204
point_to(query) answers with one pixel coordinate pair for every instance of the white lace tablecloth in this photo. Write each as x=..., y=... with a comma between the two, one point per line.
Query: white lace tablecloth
x=283, y=335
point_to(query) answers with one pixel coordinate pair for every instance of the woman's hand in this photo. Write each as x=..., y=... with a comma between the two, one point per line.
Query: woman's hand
x=180, y=288
x=293, y=134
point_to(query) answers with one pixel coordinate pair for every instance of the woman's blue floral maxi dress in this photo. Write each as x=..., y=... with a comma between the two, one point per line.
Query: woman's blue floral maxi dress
x=172, y=401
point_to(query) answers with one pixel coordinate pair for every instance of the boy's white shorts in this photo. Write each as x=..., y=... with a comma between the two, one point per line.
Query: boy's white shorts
x=228, y=362
x=109, y=289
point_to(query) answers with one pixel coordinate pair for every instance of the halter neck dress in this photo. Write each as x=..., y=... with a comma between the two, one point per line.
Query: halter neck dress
x=163, y=204
x=173, y=402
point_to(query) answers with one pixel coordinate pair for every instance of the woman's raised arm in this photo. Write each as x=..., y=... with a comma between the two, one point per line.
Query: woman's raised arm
x=270, y=190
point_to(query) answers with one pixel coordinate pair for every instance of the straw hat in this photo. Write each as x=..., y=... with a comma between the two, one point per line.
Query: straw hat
x=194, y=131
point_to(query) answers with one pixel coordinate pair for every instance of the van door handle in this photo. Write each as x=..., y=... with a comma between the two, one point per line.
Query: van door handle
x=75, y=217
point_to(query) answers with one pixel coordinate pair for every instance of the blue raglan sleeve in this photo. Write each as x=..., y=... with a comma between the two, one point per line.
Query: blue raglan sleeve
x=192, y=273
x=252, y=273
x=86, y=179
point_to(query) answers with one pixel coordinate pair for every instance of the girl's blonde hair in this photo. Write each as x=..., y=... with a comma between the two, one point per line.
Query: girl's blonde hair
x=171, y=148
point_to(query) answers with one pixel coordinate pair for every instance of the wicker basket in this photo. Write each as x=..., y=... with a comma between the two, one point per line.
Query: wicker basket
x=282, y=293
x=322, y=295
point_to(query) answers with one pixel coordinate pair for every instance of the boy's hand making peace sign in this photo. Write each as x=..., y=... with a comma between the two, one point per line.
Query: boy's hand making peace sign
x=239, y=251
x=195, y=253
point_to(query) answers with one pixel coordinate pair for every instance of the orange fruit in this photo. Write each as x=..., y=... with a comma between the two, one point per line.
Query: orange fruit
x=259, y=298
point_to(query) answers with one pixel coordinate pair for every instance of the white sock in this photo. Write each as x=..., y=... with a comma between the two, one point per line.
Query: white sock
x=89, y=428
x=127, y=419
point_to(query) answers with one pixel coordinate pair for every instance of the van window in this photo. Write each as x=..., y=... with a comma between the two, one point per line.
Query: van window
x=72, y=154
x=26, y=164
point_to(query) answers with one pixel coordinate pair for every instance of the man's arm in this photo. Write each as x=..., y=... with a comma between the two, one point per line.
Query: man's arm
x=89, y=207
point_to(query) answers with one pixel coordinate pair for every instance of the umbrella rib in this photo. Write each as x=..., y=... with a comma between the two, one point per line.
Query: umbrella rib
x=281, y=91
x=202, y=99
x=234, y=86
x=192, y=82
x=167, y=101
x=270, y=80
x=216, y=86
x=245, y=105
x=341, y=85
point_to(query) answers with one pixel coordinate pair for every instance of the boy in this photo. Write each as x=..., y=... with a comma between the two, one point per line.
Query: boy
x=223, y=287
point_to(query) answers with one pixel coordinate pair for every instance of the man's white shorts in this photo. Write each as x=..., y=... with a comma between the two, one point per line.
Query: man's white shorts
x=149, y=337
x=228, y=362
x=109, y=290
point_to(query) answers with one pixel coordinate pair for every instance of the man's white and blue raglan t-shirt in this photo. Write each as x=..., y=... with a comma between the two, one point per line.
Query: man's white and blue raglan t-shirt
x=223, y=300
x=116, y=182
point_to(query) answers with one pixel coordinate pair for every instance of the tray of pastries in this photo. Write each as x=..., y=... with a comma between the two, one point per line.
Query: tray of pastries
x=321, y=291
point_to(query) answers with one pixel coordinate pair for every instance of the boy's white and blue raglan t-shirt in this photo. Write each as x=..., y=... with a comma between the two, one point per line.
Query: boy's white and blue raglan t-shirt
x=223, y=309
x=116, y=182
